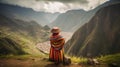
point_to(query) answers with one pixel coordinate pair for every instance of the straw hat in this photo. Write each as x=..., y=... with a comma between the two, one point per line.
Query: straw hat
x=55, y=30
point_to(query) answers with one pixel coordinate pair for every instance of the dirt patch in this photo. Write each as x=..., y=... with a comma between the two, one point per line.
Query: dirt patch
x=36, y=62
x=15, y=63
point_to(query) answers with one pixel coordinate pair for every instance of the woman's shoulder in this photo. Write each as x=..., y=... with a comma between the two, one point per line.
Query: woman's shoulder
x=60, y=36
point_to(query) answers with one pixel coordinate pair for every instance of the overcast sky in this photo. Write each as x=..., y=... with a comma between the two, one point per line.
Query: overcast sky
x=53, y=6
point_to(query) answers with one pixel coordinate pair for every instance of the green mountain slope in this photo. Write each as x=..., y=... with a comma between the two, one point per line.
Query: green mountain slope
x=20, y=37
x=9, y=46
x=100, y=36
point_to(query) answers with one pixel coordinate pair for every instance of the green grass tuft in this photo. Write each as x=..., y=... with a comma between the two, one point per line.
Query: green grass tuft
x=110, y=59
x=78, y=59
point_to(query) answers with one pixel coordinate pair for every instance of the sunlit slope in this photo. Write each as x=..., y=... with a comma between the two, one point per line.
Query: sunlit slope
x=20, y=37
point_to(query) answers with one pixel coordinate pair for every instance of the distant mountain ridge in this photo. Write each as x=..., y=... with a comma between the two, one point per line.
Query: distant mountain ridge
x=28, y=14
x=100, y=36
x=69, y=20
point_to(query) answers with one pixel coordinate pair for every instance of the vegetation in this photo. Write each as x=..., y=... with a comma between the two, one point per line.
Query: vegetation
x=110, y=59
x=78, y=59
x=107, y=59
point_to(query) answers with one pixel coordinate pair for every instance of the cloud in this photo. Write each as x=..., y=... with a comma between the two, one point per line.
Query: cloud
x=55, y=5
x=66, y=1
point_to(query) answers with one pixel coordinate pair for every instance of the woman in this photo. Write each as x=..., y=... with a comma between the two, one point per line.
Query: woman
x=57, y=43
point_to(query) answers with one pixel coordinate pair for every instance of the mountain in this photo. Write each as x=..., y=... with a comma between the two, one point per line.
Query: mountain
x=27, y=14
x=100, y=36
x=74, y=19
x=70, y=20
x=19, y=37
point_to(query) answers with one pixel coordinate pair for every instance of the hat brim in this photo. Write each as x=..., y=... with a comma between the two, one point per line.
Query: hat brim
x=55, y=31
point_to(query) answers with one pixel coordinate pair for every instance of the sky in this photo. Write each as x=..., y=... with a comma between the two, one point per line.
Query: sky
x=53, y=6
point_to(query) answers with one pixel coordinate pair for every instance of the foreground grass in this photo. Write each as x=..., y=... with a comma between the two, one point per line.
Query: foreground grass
x=78, y=59
x=109, y=59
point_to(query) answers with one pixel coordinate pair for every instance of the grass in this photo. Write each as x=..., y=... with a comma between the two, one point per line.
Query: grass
x=75, y=59
x=107, y=59
x=110, y=59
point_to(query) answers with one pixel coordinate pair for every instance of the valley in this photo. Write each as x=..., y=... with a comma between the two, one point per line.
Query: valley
x=94, y=34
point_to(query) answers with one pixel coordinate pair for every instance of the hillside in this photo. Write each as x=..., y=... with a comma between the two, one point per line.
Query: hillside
x=9, y=46
x=19, y=37
x=31, y=28
x=100, y=36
